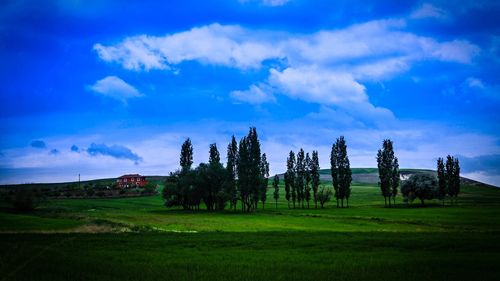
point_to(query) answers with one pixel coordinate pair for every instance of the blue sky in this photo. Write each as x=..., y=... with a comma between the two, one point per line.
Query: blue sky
x=103, y=88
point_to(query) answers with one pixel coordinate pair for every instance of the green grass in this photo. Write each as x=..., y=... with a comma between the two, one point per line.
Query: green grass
x=365, y=241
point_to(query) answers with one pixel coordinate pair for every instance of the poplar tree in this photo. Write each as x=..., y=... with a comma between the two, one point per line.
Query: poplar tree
x=388, y=170
x=186, y=159
x=307, y=177
x=314, y=168
x=232, y=159
x=264, y=169
x=249, y=169
x=452, y=177
x=442, y=185
x=290, y=179
x=341, y=171
x=276, y=186
x=396, y=178
x=300, y=177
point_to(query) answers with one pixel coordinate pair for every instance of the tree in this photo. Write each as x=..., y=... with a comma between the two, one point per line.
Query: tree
x=452, y=175
x=214, y=156
x=276, y=186
x=388, y=170
x=341, y=171
x=396, y=178
x=290, y=179
x=186, y=159
x=249, y=170
x=421, y=186
x=232, y=159
x=324, y=196
x=25, y=199
x=314, y=170
x=300, y=177
x=307, y=177
x=442, y=185
x=264, y=169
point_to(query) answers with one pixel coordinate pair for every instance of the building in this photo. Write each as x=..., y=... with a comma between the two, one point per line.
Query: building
x=132, y=180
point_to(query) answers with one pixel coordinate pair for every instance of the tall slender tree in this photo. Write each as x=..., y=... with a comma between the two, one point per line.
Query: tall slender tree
x=452, y=173
x=291, y=193
x=314, y=168
x=276, y=186
x=341, y=168
x=307, y=179
x=387, y=171
x=442, y=185
x=395, y=179
x=300, y=177
x=249, y=170
x=186, y=159
x=232, y=159
x=264, y=170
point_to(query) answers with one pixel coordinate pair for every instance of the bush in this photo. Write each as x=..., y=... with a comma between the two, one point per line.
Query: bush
x=25, y=199
x=100, y=193
x=421, y=186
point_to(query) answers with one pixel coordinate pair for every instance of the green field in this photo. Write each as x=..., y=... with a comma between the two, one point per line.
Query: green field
x=139, y=239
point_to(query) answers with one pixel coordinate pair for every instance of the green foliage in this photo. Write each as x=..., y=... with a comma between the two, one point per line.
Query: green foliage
x=264, y=172
x=300, y=177
x=25, y=199
x=276, y=186
x=341, y=171
x=442, y=190
x=452, y=175
x=315, y=179
x=388, y=169
x=324, y=196
x=290, y=179
x=421, y=186
x=232, y=159
x=186, y=158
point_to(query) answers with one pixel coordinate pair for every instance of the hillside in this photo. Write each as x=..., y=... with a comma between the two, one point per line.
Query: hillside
x=359, y=176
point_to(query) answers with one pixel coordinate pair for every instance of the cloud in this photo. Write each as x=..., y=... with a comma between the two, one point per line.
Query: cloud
x=254, y=95
x=227, y=45
x=75, y=148
x=317, y=85
x=54, y=152
x=272, y=3
x=115, y=151
x=38, y=144
x=427, y=10
x=235, y=46
x=115, y=88
x=489, y=164
x=473, y=82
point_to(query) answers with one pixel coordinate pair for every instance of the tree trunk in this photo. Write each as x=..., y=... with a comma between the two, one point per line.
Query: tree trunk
x=276, y=203
x=422, y=200
x=385, y=201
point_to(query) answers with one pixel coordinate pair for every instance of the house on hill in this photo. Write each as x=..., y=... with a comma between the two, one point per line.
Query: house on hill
x=131, y=180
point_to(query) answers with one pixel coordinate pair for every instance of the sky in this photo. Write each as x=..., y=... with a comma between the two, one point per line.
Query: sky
x=104, y=88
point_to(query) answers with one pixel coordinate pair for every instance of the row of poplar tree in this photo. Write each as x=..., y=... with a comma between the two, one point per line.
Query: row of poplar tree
x=244, y=178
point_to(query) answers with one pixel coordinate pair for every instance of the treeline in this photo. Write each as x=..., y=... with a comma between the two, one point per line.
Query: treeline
x=244, y=178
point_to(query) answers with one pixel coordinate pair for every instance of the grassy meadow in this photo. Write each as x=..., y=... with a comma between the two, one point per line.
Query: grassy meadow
x=139, y=239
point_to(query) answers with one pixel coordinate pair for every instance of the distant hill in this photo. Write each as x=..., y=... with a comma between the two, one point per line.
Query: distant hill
x=359, y=176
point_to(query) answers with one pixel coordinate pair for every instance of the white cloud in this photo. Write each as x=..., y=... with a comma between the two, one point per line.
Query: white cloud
x=115, y=88
x=473, y=82
x=317, y=85
x=272, y=3
x=427, y=10
x=235, y=46
x=254, y=95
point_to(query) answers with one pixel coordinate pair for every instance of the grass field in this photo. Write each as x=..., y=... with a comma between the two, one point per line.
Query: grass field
x=139, y=239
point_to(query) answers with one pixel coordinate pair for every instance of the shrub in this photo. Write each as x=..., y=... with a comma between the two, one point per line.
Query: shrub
x=421, y=186
x=25, y=199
